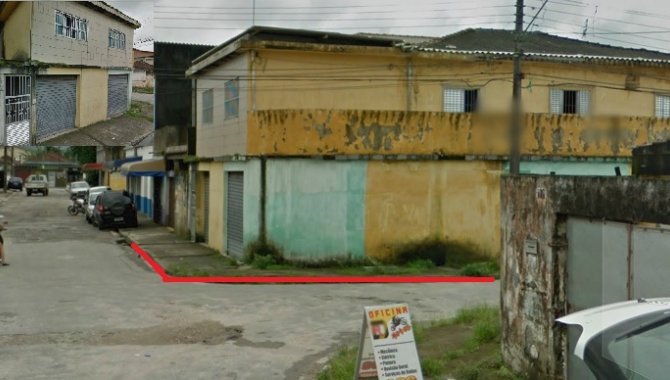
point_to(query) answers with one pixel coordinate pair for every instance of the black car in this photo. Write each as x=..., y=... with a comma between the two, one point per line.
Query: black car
x=15, y=183
x=114, y=209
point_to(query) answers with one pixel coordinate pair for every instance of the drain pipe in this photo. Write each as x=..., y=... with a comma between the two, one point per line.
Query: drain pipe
x=263, y=227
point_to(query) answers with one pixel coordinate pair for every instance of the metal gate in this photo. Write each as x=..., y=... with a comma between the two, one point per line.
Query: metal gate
x=235, y=213
x=610, y=262
x=56, y=104
x=206, y=207
x=17, y=110
x=117, y=95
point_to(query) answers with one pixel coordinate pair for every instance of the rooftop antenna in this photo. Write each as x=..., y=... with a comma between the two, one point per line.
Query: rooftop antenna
x=586, y=28
x=253, y=13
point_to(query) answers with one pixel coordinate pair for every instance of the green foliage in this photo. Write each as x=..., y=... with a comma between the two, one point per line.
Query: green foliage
x=81, y=154
x=340, y=366
x=473, y=314
x=432, y=367
x=440, y=252
x=482, y=268
x=263, y=262
x=263, y=248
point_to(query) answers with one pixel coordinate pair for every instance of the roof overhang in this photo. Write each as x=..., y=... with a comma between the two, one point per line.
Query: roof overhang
x=115, y=164
x=103, y=7
x=147, y=168
x=6, y=10
x=91, y=166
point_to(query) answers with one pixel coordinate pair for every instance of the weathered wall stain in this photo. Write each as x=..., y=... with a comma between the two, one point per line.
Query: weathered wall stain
x=534, y=286
x=309, y=132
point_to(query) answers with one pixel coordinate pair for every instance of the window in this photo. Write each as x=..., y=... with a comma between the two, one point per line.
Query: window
x=662, y=105
x=117, y=39
x=208, y=106
x=460, y=100
x=232, y=99
x=570, y=101
x=71, y=26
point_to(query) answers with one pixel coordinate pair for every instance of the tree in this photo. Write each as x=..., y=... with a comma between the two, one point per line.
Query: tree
x=82, y=154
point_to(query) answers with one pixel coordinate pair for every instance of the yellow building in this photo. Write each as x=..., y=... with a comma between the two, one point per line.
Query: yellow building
x=74, y=57
x=354, y=145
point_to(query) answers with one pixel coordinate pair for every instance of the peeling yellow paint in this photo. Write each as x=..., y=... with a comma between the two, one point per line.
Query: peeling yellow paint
x=323, y=132
x=408, y=201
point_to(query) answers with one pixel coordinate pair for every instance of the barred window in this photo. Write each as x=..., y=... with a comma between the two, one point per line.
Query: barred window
x=71, y=26
x=662, y=105
x=117, y=39
x=460, y=100
x=569, y=101
x=208, y=106
x=232, y=99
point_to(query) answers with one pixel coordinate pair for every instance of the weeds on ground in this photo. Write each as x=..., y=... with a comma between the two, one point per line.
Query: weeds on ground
x=477, y=356
x=482, y=268
x=143, y=90
x=185, y=269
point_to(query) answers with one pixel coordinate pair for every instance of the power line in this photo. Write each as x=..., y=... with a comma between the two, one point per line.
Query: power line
x=274, y=13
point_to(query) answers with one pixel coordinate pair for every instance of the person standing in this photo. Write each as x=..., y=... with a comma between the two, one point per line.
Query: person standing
x=3, y=260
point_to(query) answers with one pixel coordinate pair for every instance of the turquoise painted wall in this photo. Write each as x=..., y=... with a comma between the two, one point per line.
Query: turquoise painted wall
x=589, y=168
x=316, y=209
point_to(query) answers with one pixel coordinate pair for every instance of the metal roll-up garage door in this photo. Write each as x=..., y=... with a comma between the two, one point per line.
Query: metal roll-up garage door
x=117, y=95
x=206, y=207
x=56, y=104
x=235, y=213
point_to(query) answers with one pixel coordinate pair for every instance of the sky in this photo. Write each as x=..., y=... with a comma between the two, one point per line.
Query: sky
x=142, y=11
x=638, y=24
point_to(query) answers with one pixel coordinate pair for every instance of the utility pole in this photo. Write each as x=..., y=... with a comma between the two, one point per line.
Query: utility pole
x=5, y=172
x=11, y=164
x=517, y=120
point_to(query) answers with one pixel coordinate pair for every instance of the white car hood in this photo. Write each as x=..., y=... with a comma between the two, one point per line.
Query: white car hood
x=594, y=320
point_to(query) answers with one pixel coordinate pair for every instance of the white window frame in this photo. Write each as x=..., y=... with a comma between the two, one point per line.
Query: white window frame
x=232, y=100
x=662, y=107
x=208, y=106
x=583, y=101
x=116, y=39
x=78, y=28
x=453, y=99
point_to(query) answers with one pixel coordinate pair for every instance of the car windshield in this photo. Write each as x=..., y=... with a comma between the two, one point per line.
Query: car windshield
x=79, y=185
x=642, y=351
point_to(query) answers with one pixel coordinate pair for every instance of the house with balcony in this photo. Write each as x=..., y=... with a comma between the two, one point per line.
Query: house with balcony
x=337, y=145
x=63, y=65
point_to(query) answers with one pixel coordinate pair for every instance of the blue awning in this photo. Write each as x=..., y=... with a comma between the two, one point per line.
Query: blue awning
x=115, y=164
x=147, y=168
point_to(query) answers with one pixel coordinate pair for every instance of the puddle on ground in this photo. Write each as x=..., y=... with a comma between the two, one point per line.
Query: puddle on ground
x=204, y=332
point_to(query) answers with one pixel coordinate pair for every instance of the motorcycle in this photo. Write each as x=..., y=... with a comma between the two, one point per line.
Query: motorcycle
x=78, y=204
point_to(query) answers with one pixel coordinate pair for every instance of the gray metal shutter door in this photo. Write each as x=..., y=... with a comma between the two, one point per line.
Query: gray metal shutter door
x=206, y=199
x=235, y=213
x=117, y=95
x=56, y=104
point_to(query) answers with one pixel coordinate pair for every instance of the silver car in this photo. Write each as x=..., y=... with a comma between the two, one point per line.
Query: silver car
x=77, y=187
x=92, y=195
x=625, y=340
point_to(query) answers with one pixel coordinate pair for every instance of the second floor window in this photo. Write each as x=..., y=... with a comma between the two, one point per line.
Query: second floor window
x=232, y=99
x=570, y=101
x=117, y=39
x=208, y=106
x=460, y=100
x=71, y=26
x=662, y=105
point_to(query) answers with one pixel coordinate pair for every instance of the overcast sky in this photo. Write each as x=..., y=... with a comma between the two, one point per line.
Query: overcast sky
x=143, y=12
x=638, y=24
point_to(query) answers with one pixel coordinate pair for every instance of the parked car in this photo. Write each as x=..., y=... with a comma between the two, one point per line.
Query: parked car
x=15, y=183
x=91, y=197
x=114, y=209
x=37, y=183
x=77, y=188
x=624, y=340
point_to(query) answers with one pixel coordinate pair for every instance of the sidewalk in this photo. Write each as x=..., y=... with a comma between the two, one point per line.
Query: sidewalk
x=169, y=250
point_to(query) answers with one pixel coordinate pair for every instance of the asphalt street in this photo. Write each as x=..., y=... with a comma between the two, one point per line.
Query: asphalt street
x=75, y=303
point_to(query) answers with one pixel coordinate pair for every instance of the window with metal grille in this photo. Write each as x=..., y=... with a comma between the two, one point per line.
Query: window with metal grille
x=232, y=99
x=17, y=98
x=662, y=105
x=460, y=100
x=71, y=26
x=569, y=101
x=208, y=106
x=117, y=39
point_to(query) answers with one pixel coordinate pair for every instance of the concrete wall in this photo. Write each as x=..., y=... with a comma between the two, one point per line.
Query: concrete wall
x=410, y=201
x=316, y=209
x=216, y=203
x=16, y=35
x=49, y=48
x=181, y=203
x=337, y=132
x=534, y=285
x=117, y=181
x=223, y=137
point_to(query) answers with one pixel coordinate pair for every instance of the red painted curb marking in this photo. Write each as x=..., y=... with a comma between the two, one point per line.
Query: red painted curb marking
x=302, y=279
